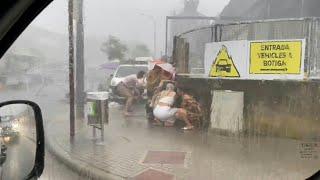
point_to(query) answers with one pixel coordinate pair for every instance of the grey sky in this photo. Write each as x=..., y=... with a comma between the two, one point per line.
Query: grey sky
x=122, y=17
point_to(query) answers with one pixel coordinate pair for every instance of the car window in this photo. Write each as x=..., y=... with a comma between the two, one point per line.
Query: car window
x=231, y=90
x=124, y=71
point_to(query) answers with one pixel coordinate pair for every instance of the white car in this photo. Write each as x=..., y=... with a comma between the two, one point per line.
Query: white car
x=121, y=72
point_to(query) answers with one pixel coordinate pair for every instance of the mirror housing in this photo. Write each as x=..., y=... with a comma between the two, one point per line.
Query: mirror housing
x=38, y=165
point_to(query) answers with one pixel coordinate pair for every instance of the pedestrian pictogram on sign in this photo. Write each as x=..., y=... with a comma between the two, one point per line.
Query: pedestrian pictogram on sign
x=223, y=66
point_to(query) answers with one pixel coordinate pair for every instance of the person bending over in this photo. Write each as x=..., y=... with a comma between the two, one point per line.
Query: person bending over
x=128, y=88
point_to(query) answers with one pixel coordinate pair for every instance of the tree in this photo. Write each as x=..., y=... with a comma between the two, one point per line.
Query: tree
x=140, y=50
x=114, y=48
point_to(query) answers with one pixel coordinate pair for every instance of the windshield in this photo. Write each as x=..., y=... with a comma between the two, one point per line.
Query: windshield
x=231, y=89
x=124, y=71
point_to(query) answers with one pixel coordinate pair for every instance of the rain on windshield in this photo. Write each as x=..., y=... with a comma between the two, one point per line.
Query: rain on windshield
x=206, y=89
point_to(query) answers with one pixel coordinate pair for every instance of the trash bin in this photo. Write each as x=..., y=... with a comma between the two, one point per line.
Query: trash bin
x=97, y=112
x=97, y=108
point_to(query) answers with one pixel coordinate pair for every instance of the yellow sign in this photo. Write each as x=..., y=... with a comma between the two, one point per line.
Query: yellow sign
x=276, y=57
x=223, y=65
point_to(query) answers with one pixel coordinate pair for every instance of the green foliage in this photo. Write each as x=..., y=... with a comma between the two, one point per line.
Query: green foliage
x=140, y=50
x=114, y=48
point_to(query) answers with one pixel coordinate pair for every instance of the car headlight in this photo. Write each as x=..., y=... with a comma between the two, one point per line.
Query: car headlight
x=16, y=126
x=6, y=139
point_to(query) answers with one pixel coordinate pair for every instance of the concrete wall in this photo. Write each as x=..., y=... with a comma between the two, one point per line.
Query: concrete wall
x=274, y=108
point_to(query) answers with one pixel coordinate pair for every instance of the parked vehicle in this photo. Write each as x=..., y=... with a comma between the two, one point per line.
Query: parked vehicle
x=121, y=72
x=9, y=129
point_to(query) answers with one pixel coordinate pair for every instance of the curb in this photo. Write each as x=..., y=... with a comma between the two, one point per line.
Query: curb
x=84, y=169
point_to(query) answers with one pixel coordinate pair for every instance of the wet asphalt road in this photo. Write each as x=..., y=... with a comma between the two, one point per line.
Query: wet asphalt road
x=20, y=161
x=55, y=170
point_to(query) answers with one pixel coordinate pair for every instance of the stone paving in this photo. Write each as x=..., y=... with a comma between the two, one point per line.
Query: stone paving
x=135, y=150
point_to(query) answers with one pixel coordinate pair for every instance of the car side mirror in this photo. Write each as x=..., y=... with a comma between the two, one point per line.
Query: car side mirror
x=111, y=75
x=3, y=154
x=21, y=140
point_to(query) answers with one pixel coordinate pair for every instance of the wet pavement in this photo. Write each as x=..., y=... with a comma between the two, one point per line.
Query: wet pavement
x=133, y=149
x=56, y=170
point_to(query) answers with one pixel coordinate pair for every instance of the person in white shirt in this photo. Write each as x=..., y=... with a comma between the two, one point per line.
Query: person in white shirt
x=128, y=89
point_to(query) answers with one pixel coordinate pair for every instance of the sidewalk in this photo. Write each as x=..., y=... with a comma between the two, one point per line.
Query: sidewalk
x=134, y=150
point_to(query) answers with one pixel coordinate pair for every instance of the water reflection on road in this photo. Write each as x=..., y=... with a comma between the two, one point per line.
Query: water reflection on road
x=213, y=155
x=48, y=98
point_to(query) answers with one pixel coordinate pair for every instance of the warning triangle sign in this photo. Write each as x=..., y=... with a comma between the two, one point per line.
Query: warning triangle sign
x=223, y=65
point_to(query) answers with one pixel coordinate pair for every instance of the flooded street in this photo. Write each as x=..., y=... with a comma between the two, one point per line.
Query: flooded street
x=208, y=155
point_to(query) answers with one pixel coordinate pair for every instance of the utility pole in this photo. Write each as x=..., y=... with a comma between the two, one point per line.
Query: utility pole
x=71, y=69
x=302, y=9
x=269, y=9
x=166, y=40
x=80, y=97
x=154, y=39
